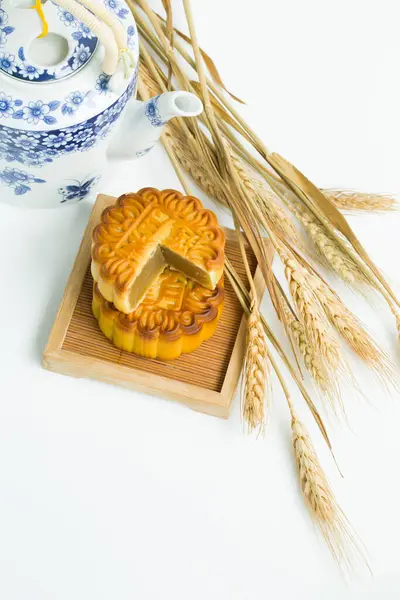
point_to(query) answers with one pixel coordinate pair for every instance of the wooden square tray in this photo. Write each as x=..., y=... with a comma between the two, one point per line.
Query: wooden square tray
x=205, y=380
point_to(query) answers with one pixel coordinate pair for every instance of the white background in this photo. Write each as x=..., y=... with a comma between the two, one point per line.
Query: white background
x=108, y=494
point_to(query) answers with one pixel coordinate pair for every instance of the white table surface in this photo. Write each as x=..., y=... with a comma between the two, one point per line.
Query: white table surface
x=108, y=494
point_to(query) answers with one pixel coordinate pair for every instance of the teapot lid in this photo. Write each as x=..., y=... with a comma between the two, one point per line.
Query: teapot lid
x=67, y=59
x=67, y=47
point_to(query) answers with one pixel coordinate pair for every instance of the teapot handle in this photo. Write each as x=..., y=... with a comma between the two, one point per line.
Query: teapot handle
x=100, y=29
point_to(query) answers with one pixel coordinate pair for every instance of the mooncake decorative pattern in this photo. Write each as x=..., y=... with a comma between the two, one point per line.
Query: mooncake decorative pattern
x=132, y=231
x=175, y=317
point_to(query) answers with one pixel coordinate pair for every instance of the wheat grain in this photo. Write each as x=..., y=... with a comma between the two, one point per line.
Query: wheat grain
x=360, y=202
x=322, y=505
x=255, y=374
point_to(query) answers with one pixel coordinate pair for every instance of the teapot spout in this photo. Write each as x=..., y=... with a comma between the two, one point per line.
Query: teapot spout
x=144, y=122
x=172, y=104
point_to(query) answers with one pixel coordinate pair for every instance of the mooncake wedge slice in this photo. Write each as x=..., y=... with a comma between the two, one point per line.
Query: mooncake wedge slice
x=175, y=317
x=145, y=231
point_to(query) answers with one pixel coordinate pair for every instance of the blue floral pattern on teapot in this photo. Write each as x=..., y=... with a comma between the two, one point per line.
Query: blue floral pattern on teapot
x=37, y=148
x=57, y=118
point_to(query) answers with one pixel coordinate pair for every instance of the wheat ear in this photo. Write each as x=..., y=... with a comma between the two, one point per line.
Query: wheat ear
x=190, y=161
x=266, y=201
x=322, y=505
x=360, y=202
x=317, y=328
x=341, y=263
x=324, y=380
x=147, y=80
x=319, y=498
x=352, y=330
x=256, y=359
x=193, y=164
x=255, y=373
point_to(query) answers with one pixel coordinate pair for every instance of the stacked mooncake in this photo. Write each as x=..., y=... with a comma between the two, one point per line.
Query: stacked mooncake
x=157, y=262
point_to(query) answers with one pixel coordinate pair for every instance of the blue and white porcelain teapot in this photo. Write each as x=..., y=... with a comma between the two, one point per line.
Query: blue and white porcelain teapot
x=68, y=74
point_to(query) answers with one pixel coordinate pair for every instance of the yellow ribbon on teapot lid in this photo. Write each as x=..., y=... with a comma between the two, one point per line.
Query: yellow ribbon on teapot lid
x=39, y=9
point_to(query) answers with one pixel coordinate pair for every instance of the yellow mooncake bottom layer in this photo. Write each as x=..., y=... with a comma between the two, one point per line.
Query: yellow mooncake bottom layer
x=154, y=347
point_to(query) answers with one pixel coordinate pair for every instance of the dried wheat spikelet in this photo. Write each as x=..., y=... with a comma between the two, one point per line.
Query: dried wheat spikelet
x=352, y=331
x=193, y=164
x=317, y=328
x=197, y=158
x=147, y=79
x=361, y=202
x=311, y=360
x=255, y=374
x=324, y=380
x=322, y=505
x=341, y=263
x=190, y=161
x=266, y=201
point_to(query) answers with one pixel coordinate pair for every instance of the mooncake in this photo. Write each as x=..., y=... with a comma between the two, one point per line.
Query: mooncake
x=176, y=315
x=143, y=233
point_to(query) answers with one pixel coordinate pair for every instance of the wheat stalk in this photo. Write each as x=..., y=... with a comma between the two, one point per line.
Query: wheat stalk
x=244, y=299
x=193, y=164
x=293, y=179
x=361, y=202
x=255, y=373
x=147, y=80
x=187, y=154
x=322, y=505
x=202, y=154
x=319, y=498
x=342, y=264
x=256, y=359
x=352, y=330
x=317, y=329
x=325, y=381
x=266, y=201
x=311, y=360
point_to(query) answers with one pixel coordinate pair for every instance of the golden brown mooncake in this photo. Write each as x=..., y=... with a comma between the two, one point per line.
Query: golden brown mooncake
x=144, y=232
x=175, y=317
